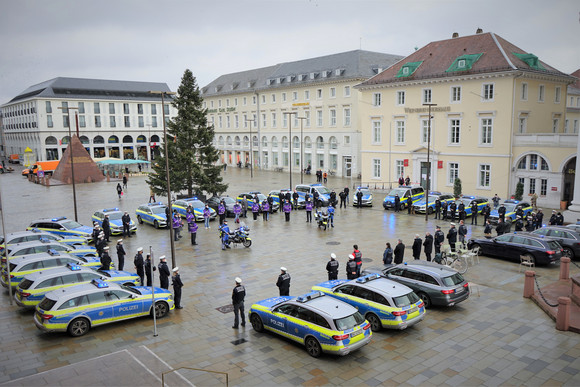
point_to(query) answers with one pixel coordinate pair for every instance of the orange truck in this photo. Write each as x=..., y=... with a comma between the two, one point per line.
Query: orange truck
x=47, y=166
x=14, y=158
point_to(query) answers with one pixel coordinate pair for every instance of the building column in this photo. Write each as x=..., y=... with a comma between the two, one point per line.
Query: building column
x=572, y=214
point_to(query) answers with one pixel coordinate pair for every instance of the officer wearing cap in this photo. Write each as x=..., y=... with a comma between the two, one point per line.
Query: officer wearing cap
x=439, y=239
x=121, y=254
x=139, y=264
x=332, y=267
x=126, y=219
x=105, y=259
x=238, y=295
x=149, y=269
x=164, y=272
x=96, y=231
x=452, y=236
x=177, y=285
x=107, y=228
x=283, y=282
x=519, y=223
x=351, y=267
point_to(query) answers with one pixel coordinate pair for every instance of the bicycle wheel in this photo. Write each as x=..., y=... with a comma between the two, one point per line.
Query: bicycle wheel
x=460, y=264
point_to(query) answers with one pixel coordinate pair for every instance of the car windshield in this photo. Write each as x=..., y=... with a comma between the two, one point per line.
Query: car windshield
x=406, y=300
x=228, y=200
x=195, y=203
x=25, y=284
x=158, y=210
x=261, y=197
x=365, y=191
x=46, y=304
x=103, y=273
x=452, y=280
x=132, y=290
x=71, y=224
x=509, y=207
x=115, y=215
x=342, y=324
x=323, y=190
x=397, y=191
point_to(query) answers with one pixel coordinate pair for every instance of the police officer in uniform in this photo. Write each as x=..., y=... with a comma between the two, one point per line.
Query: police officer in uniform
x=452, y=208
x=96, y=231
x=126, y=219
x=359, y=196
x=461, y=211
x=139, y=264
x=397, y=202
x=462, y=232
x=519, y=224
x=437, y=208
x=164, y=272
x=177, y=285
x=105, y=259
x=452, y=236
x=238, y=295
x=474, y=212
x=332, y=267
x=485, y=212
x=444, y=211
x=439, y=239
x=100, y=244
x=295, y=199
x=107, y=228
x=283, y=282
x=351, y=268
x=149, y=269
x=500, y=227
x=121, y=254
x=501, y=212
x=342, y=197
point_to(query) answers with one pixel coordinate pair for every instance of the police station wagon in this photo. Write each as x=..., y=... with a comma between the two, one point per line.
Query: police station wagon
x=79, y=308
x=153, y=214
x=384, y=303
x=115, y=221
x=36, y=235
x=408, y=195
x=62, y=226
x=197, y=206
x=319, y=322
x=43, y=245
x=323, y=192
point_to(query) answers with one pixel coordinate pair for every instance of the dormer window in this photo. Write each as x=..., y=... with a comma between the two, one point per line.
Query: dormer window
x=531, y=60
x=408, y=69
x=461, y=63
x=464, y=62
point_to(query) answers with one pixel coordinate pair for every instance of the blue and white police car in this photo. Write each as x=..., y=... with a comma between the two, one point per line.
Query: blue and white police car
x=276, y=197
x=197, y=206
x=36, y=235
x=79, y=308
x=62, y=226
x=115, y=220
x=408, y=195
x=320, y=323
x=43, y=245
x=367, y=198
x=261, y=197
x=420, y=206
x=511, y=206
x=323, y=192
x=467, y=201
x=153, y=214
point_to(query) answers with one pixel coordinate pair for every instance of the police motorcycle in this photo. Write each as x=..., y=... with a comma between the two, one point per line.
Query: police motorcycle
x=239, y=235
x=321, y=218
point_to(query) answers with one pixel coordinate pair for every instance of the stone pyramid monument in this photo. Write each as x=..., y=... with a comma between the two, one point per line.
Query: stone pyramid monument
x=86, y=170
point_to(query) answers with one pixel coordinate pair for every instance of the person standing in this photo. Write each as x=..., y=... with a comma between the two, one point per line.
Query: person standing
x=105, y=259
x=119, y=190
x=237, y=211
x=530, y=222
x=474, y=212
x=206, y=216
x=399, y=252
x=401, y=180
x=388, y=255
x=409, y=204
x=222, y=211
x=96, y=231
x=452, y=209
x=139, y=265
x=553, y=219
x=486, y=211
x=437, y=208
x=495, y=201
x=407, y=181
x=283, y=282
x=149, y=269
x=107, y=228
x=519, y=223
x=439, y=238
x=121, y=254
x=100, y=244
x=351, y=268
x=333, y=200
x=500, y=227
x=359, y=196
x=177, y=285
x=192, y=228
x=255, y=209
x=358, y=259
x=225, y=235
x=163, y=273
x=417, y=243
x=487, y=229
x=265, y=209
x=346, y=192
x=325, y=176
x=126, y=219
x=316, y=199
x=238, y=296
x=397, y=202
x=444, y=211
x=428, y=245
x=501, y=212
x=152, y=196
x=534, y=201
x=342, y=195
x=461, y=211
x=176, y=224
x=295, y=197
x=462, y=232
x=308, y=207
x=332, y=267
x=270, y=200
x=452, y=236
x=331, y=214
x=287, y=209
x=539, y=218
x=125, y=180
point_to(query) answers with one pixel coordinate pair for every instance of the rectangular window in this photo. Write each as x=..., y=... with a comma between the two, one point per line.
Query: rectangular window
x=82, y=122
x=543, y=187
x=139, y=108
x=376, y=168
x=426, y=95
x=112, y=122
x=141, y=122
x=332, y=117
x=376, y=132
x=484, y=176
x=456, y=94
x=81, y=108
x=125, y=108
x=377, y=99
x=127, y=122
x=220, y=103
x=235, y=101
x=346, y=140
x=400, y=98
x=49, y=122
x=285, y=159
x=283, y=97
x=333, y=92
x=487, y=92
x=453, y=173
x=227, y=102
x=532, y=188
x=111, y=108
x=97, y=108
x=347, y=117
x=245, y=101
x=333, y=162
x=264, y=123
x=523, y=123
x=319, y=118
x=236, y=121
x=424, y=131
x=153, y=108
x=533, y=162
x=220, y=122
x=320, y=158
x=307, y=115
x=454, y=131
x=48, y=107
x=294, y=96
x=400, y=168
x=284, y=120
x=400, y=125
x=347, y=91
x=575, y=126
x=486, y=131
x=307, y=95
x=524, y=96
x=97, y=121
x=566, y=125
x=273, y=98
x=228, y=122
x=555, y=125
x=154, y=122
x=64, y=106
x=65, y=121
x=319, y=93
x=273, y=120
x=166, y=109
x=263, y=98
x=541, y=91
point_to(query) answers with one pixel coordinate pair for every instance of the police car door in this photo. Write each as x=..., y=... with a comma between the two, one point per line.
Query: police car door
x=99, y=310
x=278, y=320
x=124, y=305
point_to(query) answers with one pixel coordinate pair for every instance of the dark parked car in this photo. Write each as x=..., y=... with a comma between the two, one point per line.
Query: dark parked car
x=542, y=250
x=435, y=284
x=214, y=202
x=567, y=237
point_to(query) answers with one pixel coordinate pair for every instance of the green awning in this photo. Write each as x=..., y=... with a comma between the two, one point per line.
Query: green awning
x=408, y=69
x=464, y=62
x=531, y=60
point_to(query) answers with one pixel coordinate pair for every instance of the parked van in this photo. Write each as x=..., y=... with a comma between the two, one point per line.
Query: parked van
x=47, y=166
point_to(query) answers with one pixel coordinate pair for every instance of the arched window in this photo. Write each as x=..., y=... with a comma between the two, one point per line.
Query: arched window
x=333, y=142
x=141, y=138
x=113, y=140
x=221, y=141
x=65, y=140
x=155, y=138
x=255, y=141
x=237, y=141
x=275, y=142
x=229, y=140
x=98, y=140
x=319, y=142
x=307, y=142
x=284, y=142
x=127, y=139
x=264, y=141
x=246, y=142
x=84, y=140
x=51, y=140
x=533, y=162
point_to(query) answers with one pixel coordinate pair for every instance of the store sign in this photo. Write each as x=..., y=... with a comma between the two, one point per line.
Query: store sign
x=222, y=110
x=554, y=188
x=301, y=104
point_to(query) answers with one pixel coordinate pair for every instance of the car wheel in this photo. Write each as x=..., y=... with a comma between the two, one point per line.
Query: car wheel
x=401, y=206
x=374, y=321
x=156, y=224
x=161, y=309
x=567, y=252
x=531, y=258
x=425, y=298
x=139, y=219
x=430, y=210
x=79, y=327
x=313, y=347
x=256, y=322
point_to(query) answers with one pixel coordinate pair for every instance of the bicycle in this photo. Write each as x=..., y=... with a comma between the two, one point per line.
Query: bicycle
x=454, y=261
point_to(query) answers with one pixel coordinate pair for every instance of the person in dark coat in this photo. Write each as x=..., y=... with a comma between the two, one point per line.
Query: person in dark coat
x=397, y=202
x=461, y=211
x=358, y=259
x=342, y=197
x=283, y=282
x=140, y=265
x=177, y=285
x=351, y=268
x=452, y=236
x=437, y=208
x=474, y=213
x=539, y=218
x=359, y=196
x=164, y=272
x=119, y=190
x=106, y=228
x=485, y=212
x=332, y=267
x=96, y=231
x=462, y=233
x=121, y=254
x=444, y=211
x=126, y=219
x=149, y=269
x=519, y=224
x=439, y=239
x=399, y=252
x=417, y=243
x=238, y=296
x=452, y=208
x=105, y=259
x=501, y=212
x=100, y=244
x=487, y=229
x=428, y=245
x=500, y=227
x=388, y=254
x=346, y=192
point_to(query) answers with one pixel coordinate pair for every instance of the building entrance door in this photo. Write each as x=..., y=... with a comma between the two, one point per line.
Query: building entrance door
x=347, y=166
x=424, y=168
x=568, y=186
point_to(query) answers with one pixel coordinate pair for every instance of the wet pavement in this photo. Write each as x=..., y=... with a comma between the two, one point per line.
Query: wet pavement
x=495, y=337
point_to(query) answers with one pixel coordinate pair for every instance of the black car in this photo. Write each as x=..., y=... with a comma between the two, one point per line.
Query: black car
x=567, y=237
x=214, y=202
x=435, y=284
x=542, y=250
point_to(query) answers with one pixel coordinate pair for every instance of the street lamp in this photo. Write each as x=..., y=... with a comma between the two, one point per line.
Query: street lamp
x=72, y=163
x=290, y=143
x=251, y=151
x=172, y=242
x=301, y=151
x=428, y=162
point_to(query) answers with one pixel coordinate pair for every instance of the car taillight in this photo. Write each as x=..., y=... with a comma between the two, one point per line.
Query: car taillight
x=25, y=294
x=340, y=337
x=550, y=252
x=11, y=275
x=466, y=285
x=450, y=291
x=367, y=326
x=399, y=313
x=422, y=304
x=47, y=316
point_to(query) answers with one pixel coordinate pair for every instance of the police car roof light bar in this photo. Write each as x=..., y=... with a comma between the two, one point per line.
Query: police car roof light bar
x=99, y=283
x=58, y=219
x=73, y=266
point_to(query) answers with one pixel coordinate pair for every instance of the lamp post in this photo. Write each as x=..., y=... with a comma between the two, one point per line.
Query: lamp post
x=172, y=242
x=72, y=163
x=251, y=150
x=428, y=162
x=290, y=143
x=301, y=151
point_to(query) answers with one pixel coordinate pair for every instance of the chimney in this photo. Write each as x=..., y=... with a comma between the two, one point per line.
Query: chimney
x=479, y=31
x=455, y=35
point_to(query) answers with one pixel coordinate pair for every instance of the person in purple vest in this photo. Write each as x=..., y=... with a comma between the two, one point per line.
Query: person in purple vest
x=222, y=211
x=265, y=209
x=206, y=215
x=308, y=207
x=192, y=228
x=176, y=224
x=287, y=209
